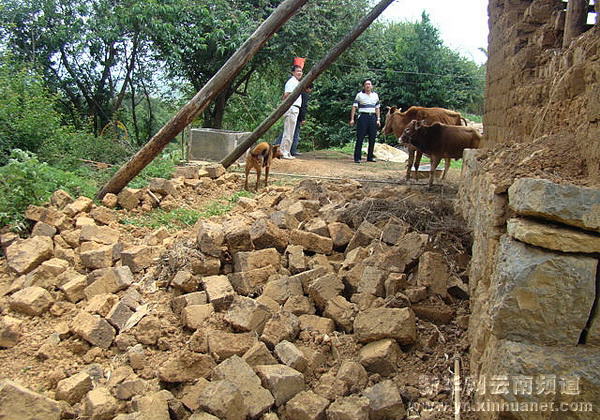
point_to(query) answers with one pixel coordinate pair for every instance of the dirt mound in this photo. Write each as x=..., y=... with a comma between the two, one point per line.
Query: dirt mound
x=553, y=157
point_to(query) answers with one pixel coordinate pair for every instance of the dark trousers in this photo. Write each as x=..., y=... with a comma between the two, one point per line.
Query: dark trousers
x=367, y=124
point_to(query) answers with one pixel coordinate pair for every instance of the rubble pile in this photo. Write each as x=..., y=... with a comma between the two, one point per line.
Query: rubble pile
x=283, y=308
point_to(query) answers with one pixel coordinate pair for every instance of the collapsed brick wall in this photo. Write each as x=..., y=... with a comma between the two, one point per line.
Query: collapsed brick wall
x=537, y=88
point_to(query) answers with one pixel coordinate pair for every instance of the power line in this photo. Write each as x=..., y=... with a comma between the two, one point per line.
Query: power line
x=464, y=76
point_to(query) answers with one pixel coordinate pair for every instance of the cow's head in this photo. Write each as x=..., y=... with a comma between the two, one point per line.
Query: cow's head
x=388, y=128
x=410, y=131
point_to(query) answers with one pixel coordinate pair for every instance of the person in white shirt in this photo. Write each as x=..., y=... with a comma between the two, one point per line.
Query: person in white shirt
x=367, y=104
x=291, y=115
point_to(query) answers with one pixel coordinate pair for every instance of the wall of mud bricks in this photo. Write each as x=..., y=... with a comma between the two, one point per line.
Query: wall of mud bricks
x=534, y=282
x=535, y=87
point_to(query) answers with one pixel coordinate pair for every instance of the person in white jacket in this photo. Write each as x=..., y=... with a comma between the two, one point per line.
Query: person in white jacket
x=291, y=115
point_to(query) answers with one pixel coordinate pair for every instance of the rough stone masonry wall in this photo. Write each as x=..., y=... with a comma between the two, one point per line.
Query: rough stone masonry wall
x=534, y=86
x=534, y=282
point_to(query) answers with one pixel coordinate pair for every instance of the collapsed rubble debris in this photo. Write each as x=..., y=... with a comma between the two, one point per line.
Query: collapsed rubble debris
x=323, y=300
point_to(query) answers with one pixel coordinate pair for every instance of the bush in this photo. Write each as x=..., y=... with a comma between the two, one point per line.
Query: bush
x=25, y=180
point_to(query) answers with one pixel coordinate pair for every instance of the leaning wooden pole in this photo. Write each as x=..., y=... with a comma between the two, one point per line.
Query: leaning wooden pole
x=204, y=97
x=577, y=11
x=318, y=68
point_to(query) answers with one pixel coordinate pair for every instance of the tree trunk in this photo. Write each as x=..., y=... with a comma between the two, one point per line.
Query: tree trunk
x=577, y=11
x=318, y=68
x=200, y=101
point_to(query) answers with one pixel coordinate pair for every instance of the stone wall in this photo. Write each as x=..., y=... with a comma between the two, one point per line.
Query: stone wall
x=534, y=281
x=534, y=86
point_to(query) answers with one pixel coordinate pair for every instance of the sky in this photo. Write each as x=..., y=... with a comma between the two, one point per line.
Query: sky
x=463, y=24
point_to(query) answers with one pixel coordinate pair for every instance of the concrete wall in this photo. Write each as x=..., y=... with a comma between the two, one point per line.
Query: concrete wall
x=534, y=86
x=210, y=144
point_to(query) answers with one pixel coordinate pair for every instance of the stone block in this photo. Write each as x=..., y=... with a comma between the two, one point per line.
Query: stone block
x=560, y=377
x=31, y=301
x=205, y=265
x=223, y=345
x=372, y=281
x=219, y=291
x=100, y=234
x=163, y=186
x=364, y=235
x=380, y=356
x=20, y=403
x=553, y=237
x=528, y=304
x=185, y=367
x=307, y=277
x=284, y=220
x=316, y=226
x=340, y=234
x=250, y=282
x=259, y=354
x=93, y=329
x=195, y=298
x=215, y=170
x=568, y=204
x=119, y=315
x=349, y=408
x=325, y=288
x=43, y=229
x=281, y=326
x=237, y=236
x=236, y=370
x=103, y=215
x=60, y=198
x=296, y=259
x=129, y=198
x=185, y=281
x=50, y=216
x=83, y=220
x=246, y=314
x=73, y=388
x=351, y=377
x=297, y=211
x=265, y=234
x=110, y=200
x=101, y=304
x=210, y=238
x=433, y=273
x=110, y=280
x=23, y=256
x=224, y=400
x=283, y=381
x=316, y=323
x=385, y=402
x=74, y=288
x=188, y=172
x=80, y=205
x=306, y=405
x=379, y=323
x=311, y=241
x=438, y=313
x=246, y=261
x=94, y=256
x=195, y=316
x=280, y=288
x=129, y=388
x=140, y=257
x=299, y=305
x=99, y=404
x=291, y=356
x=342, y=312
x=10, y=331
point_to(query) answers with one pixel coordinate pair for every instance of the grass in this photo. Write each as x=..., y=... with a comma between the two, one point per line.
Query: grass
x=182, y=218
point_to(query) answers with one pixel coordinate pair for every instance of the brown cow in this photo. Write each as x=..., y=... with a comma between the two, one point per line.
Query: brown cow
x=396, y=121
x=440, y=141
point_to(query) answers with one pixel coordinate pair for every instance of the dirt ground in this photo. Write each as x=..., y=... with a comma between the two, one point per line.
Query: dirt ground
x=336, y=165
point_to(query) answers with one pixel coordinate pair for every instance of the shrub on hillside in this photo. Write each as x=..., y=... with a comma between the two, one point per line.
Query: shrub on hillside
x=24, y=180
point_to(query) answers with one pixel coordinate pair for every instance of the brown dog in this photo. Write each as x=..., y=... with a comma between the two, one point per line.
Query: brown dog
x=261, y=157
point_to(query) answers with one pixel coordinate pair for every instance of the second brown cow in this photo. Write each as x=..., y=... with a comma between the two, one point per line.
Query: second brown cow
x=440, y=141
x=396, y=121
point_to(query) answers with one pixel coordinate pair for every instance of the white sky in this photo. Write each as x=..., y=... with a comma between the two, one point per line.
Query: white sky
x=463, y=24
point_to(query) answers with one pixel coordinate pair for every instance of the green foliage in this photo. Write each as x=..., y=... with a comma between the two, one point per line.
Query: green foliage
x=161, y=167
x=25, y=180
x=183, y=217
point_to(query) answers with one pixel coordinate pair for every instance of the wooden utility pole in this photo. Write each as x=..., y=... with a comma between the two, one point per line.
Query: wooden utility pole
x=321, y=66
x=203, y=98
x=575, y=21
